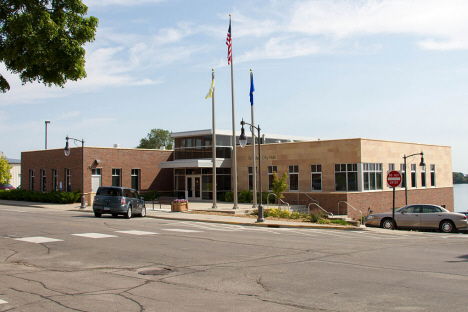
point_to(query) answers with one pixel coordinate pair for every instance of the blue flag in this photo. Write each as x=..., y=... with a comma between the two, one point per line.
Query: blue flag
x=252, y=89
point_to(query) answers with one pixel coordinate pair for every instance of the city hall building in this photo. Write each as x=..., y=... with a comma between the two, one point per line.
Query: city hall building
x=344, y=176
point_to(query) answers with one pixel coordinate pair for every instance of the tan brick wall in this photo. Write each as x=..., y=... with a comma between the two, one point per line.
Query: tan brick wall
x=151, y=177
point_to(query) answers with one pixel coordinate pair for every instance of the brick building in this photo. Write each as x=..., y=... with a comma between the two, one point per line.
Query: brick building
x=50, y=169
x=344, y=175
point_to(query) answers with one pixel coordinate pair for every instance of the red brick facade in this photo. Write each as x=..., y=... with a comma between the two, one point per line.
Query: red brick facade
x=147, y=161
x=378, y=201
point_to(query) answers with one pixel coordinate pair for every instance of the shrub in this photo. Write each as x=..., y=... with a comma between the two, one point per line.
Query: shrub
x=295, y=215
x=33, y=196
x=151, y=195
x=324, y=221
x=315, y=217
x=341, y=222
x=245, y=197
x=227, y=197
x=284, y=214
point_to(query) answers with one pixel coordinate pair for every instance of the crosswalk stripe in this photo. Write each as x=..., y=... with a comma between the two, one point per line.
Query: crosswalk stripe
x=94, y=235
x=137, y=232
x=38, y=239
x=181, y=230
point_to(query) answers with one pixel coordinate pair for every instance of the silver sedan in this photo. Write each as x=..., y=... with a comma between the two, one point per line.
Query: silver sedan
x=419, y=217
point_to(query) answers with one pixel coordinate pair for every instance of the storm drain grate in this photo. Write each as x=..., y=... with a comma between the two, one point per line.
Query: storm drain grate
x=156, y=272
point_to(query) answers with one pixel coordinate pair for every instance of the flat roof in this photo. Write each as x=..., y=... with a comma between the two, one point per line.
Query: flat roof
x=185, y=134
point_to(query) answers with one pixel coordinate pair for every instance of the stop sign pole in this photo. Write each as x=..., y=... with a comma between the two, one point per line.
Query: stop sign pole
x=393, y=180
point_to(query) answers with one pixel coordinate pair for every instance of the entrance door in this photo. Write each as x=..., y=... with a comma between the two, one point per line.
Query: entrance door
x=193, y=187
x=96, y=179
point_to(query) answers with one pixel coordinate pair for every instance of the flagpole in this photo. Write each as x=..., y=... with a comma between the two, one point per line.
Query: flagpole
x=234, y=154
x=214, y=141
x=254, y=169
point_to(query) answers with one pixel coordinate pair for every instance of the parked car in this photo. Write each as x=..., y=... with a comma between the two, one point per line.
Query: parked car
x=118, y=201
x=6, y=187
x=419, y=216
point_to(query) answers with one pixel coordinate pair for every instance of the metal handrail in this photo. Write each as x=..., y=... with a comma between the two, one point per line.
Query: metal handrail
x=310, y=197
x=343, y=201
x=308, y=209
x=268, y=201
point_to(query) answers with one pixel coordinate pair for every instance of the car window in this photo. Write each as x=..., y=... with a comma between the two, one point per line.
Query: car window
x=127, y=193
x=413, y=209
x=108, y=191
x=430, y=209
x=135, y=194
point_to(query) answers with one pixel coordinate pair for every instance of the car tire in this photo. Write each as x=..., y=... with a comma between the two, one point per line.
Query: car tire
x=447, y=226
x=143, y=212
x=97, y=214
x=128, y=215
x=388, y=224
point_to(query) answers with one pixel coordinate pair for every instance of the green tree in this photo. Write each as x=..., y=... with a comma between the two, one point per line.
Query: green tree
x=459, y=177
x=279, y=185
x=4, y=170
x=43, y=40
x=157, y=138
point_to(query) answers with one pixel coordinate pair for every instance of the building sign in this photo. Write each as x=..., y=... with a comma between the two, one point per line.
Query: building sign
x=264, y=157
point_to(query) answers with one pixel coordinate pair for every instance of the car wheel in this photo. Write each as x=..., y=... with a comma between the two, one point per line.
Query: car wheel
x=387, y=224
x=128, y=215
x=447, y=226
x=97, y=214
x=143, y=212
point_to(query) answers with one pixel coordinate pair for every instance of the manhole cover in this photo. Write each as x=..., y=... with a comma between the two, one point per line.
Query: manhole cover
x=155, y=272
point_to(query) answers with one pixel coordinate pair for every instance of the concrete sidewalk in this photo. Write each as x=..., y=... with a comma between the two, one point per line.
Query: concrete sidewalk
x=224, y=213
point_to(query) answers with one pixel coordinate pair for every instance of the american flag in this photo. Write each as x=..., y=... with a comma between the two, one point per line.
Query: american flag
x=229, y=43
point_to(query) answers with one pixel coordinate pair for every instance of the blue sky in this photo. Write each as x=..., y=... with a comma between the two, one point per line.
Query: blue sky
x=391, y=70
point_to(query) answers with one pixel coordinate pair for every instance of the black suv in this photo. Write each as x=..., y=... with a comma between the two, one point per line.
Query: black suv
x=118, y=200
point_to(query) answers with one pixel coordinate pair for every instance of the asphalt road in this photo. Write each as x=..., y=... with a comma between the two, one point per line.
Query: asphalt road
x=70, y=261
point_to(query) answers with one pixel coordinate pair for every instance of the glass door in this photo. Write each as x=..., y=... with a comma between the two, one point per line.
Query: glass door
x=193, y=189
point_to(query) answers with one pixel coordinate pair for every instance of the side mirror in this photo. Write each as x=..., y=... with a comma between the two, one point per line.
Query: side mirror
x=142, y=198
x=403, y=212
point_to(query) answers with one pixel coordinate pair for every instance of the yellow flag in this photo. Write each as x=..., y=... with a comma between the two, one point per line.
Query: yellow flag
x=210, y=92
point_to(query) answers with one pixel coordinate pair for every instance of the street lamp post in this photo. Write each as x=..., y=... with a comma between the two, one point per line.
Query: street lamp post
x=47, y=122
x=67, y=152
x=422, y=164
x=243, y=143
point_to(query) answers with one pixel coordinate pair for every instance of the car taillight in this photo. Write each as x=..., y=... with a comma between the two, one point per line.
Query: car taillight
x=464, y=217
x=122, y=201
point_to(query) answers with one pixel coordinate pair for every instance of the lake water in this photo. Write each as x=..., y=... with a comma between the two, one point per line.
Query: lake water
x=460, y=197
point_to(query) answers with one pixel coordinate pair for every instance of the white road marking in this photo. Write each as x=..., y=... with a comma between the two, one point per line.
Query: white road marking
x=95, y=235
x=137, y=232
x=181, y=230
x=3, y=301
x=38, y=239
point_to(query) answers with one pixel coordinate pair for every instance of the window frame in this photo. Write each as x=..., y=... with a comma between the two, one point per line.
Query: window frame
x=119, y=175
x=294, y=172
x=315, y=169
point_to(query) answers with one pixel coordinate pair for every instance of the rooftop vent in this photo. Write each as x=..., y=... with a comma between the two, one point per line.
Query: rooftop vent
x=116, y=145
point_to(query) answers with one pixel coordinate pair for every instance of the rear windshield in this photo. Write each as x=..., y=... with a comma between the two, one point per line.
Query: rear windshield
x=109, y=191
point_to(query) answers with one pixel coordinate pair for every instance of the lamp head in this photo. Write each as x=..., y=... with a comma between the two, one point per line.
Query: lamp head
x=66, y=150
x=242, y=137
x=422, y=164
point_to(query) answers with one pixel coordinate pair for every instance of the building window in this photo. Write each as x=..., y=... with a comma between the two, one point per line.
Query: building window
x=116, y=177
x=271, y=169
x=403, y=175
x=372, y=177
x=135, y=176
x=294, y=178
x=413, y=175
x=346, y=178
x=316, y=177
x=250, y=179
x=55, y=179
x=391, y=167
x=43, y=180
x=423, y=176
x=68, y=180
x=31, y=179
x=433, y=177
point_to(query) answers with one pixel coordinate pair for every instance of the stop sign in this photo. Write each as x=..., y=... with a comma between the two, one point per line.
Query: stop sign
x=393, y=178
